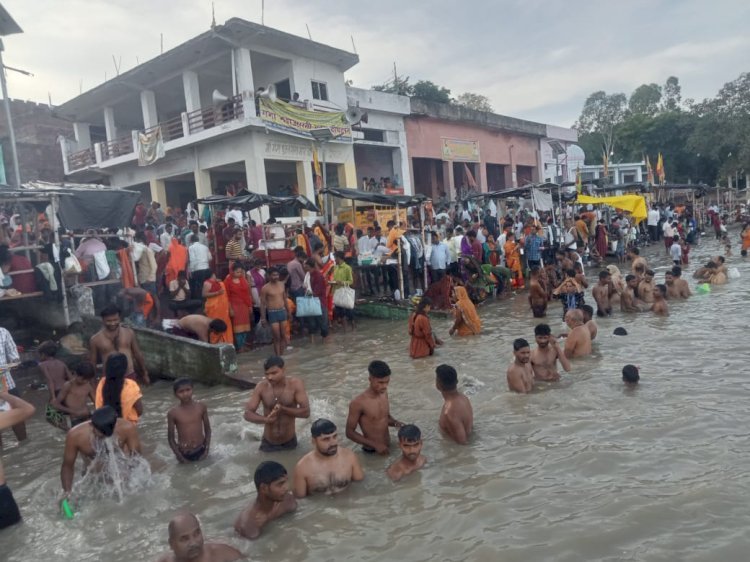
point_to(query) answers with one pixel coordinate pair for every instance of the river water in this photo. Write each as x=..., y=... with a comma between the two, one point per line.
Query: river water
x=580, y=470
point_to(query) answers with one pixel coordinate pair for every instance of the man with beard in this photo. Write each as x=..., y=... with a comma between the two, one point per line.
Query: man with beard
x=273, y=500
x=412, y=459
x=520, y=375
x=546, y=355
x=115, y=338
x=187, y=544
x=328, y=468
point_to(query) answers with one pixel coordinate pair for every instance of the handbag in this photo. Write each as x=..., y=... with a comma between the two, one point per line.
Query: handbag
x=308, y=307
x=344, y=298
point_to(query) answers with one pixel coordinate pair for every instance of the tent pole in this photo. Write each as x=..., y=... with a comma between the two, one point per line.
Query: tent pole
x=56, y=238
x=398, y=246
x=424, y=242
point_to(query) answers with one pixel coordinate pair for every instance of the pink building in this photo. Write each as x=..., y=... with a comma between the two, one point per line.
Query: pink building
x=452, y=147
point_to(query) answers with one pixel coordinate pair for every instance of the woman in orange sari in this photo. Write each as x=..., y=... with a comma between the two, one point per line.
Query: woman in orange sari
x=217, y=307
x=513, y=261
x=326, y=265
x=467, y=321
x=240, y=304
x=422, y=343
x=178, y=259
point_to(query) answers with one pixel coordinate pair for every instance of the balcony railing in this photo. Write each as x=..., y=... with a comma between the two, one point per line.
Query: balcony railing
x=207, y=117
x=81, y=159
x=170, y=129
x=117, y=147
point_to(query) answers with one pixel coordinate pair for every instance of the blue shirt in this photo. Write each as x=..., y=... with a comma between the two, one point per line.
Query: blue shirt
x=531, y=244
x=440, y=256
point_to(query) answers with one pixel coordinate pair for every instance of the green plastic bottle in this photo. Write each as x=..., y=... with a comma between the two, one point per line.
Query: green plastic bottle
x=67, y=511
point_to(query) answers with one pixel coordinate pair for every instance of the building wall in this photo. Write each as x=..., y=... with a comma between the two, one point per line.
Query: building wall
x=36, y=140
x=306, y=70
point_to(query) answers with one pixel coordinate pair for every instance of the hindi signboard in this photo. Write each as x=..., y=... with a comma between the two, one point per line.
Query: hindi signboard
x=457, y=150
x=297, y=121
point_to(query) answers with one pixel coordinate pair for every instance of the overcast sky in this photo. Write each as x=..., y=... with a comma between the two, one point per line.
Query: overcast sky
x=534, y=59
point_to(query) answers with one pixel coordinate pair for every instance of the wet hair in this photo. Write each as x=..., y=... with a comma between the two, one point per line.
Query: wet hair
x=650, y=272
x=519, y=344
x=322, y=426
x=409, y=432
x=447, y=376
x=721, y=259
x=104, y=420
x=268, y=472
x=110, y=310
x=179, y=383
x=542, y=330
x=662, y=289
x=217, y=325
x=630, y=374
x=603, y=274
x=620, y=331
x=629, y=277
x=588, y=309
x=48, y=348
x=425, y=301
x=379, y=369
x=115, y=369
x=85, y=370
x=273, y=361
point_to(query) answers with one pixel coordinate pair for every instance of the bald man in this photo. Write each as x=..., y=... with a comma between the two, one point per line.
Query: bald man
x=578, y=342
x=186, y=542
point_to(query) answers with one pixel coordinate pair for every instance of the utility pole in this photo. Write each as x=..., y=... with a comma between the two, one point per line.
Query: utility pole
x=11, y=132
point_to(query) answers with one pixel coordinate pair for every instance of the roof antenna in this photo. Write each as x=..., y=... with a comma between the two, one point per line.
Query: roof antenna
x=308, y=32
x=161, y=36
x=213, y=16
x=262, y=12
x=353, y=45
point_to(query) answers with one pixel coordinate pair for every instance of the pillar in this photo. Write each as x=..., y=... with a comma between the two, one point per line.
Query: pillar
x=192, y=91
x=305, y=182
x=509, y=171
x=148, y=107
x=484, y=185
x=83, y=135
x=158, y=191
x=433, y=180
x=348, y=174
x=202, y=183
x=243, y=71
x=448, y=174
x=109, y=123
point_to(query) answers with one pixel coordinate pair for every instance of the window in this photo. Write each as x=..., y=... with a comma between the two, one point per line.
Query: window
x=319, y=91
x=374, y=135
x=284, y=90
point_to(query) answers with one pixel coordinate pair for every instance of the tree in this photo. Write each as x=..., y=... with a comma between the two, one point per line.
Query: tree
x=474, y=101
x=429, y=91
x=398, y=86
x=601, y=116
x=672, y=94
x=645, y=100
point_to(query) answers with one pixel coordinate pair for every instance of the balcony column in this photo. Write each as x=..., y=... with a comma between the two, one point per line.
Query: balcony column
x=109, y=123
x=65, y=149
x=305, y=184
x=192, y=90
x=158, y=192
x=83, y=135
x=243, y=71
x=255, y=173
x=203, y=186
x=148, y=107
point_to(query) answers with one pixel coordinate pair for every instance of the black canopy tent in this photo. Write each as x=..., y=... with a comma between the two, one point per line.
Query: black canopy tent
x=248, y=201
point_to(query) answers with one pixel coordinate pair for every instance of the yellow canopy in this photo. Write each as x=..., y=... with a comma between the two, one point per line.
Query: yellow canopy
x=635, y=204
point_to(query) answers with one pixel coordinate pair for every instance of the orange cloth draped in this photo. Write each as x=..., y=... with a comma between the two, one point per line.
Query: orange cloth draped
x=129, y=395
x=470, y=324
x=323, y=238
x=292, y=308
x=218, y=308
x=422, y=343
x=240, y=301
x=304, y=243
x=148, y=305
x=327, y=272
x=126, y=266
x=513, y=262
x=178, y=258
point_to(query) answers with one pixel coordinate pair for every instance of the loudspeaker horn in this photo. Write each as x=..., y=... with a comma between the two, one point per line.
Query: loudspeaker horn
x=218, y=98
x=353, y=115
x=270, y=93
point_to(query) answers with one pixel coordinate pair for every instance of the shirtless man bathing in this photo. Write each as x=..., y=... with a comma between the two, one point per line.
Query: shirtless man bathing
x=14, y=411
x=273, y=309
x=456, y=417
x=284, y=400
x=328, y=468
x=602, y=293
x=188, y=427
x=412, y=459
x=578, y=342
x=187, y=543
x=113, y=337
x=546, y=355
x=371, y=412
x=677, y=287
x=273, y=500
x=520, y=375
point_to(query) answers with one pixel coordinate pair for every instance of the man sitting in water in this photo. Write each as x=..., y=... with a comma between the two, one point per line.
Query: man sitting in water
x=284, y=399
x=520, y=375
x=660, y=307
x=86, y=438
x=328, y=468
x=629, y=302
x=546, y=355
x=456, y=417
x=187, y=544
x=602, y=293
x=412, y=459
x=199, y=327
x=682, y=286
x=537, y=295
x=272, y=501
x=638, y=264
x=578, y=342
x=588, y=320
x=630, y=375
x=190, y=419
x=371, y=412
x=13, y=410
x=646, y=287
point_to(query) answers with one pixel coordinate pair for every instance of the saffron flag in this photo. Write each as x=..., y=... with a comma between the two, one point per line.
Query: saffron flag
x=469, y=177
x=660, y=169
x=649, y=171
x=579, y=183
x=316, y=168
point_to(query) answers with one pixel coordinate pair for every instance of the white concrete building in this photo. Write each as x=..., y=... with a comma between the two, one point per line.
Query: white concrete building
x=210, y=144
x=561, y=157
x=625, y=172
x=380, y=149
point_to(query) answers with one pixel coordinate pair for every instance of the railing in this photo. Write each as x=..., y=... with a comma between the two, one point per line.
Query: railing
x=117, y=147
x=207, y=117
x=81, y=159
x=170, y=129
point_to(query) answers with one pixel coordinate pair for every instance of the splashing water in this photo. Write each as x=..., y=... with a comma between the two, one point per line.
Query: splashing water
x=113, y=474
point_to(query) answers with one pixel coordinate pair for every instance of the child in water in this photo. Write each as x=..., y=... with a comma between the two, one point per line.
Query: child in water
x=412, y=459
x=190, y=419
x=75, y=394
x=630, y=375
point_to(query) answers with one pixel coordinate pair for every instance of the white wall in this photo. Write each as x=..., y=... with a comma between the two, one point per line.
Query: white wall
x=306, y=70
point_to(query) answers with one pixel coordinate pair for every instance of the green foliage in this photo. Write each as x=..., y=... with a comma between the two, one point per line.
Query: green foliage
x=474, y=101
x=429, y=91
x=645, y=100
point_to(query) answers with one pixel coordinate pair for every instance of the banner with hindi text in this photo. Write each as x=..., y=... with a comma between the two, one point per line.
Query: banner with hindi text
x=297, y=121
